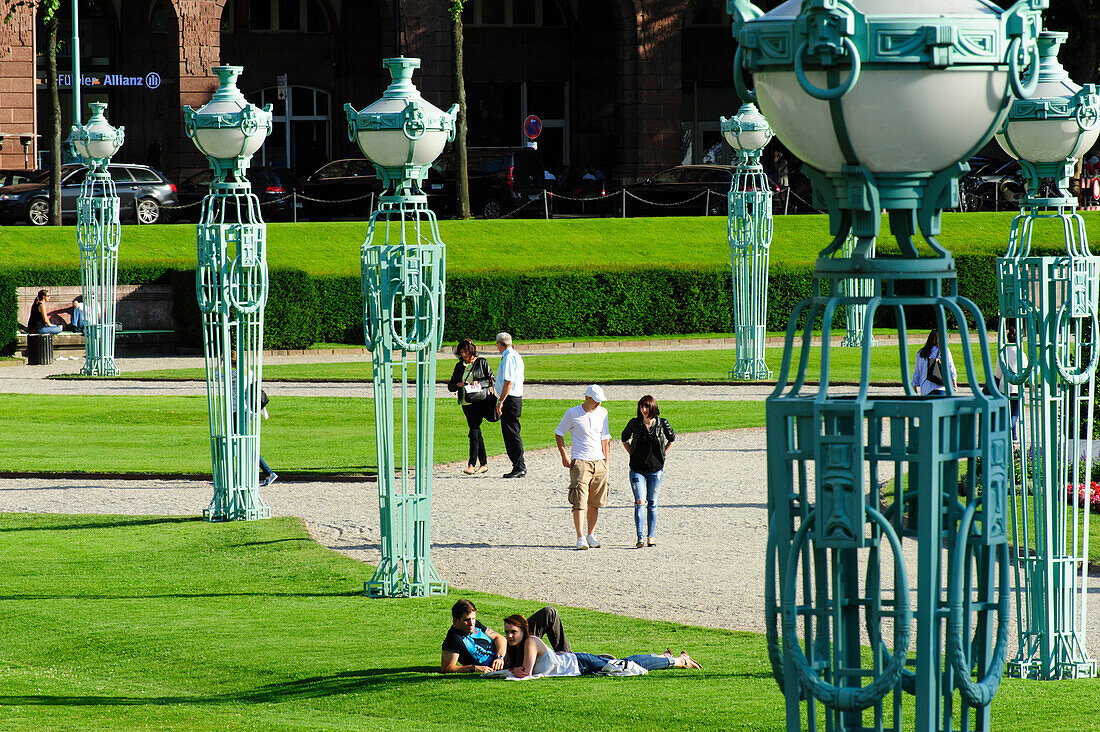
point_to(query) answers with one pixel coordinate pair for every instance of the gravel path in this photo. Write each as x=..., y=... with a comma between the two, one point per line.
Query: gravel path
x=515, y=537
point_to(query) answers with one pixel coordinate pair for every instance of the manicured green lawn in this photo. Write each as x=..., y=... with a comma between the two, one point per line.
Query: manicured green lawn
x=534, y=245
x=304, y=435
x=266, y=630
x=623, y=367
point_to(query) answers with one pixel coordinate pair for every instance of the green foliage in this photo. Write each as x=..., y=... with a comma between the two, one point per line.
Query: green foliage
x=290, y=317
x=339, y=310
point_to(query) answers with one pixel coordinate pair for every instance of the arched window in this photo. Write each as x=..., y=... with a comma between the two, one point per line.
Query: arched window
x=512, y=13
x=162, y=18
x=287, y=16
x=706, y=12
x=308, y=138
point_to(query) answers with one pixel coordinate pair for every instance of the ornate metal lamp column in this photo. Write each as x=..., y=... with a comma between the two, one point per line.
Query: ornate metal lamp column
x=749, y=229
x=846, y=89
x=232, y=285
x=404, y=280
x=98, y=234
x=1052, y=356
x=857, y=288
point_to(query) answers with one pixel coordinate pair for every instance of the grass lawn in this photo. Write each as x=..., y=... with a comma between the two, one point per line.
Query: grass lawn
x=536, y=245
x=266, y=630
x=304, y=435
x=623, y=367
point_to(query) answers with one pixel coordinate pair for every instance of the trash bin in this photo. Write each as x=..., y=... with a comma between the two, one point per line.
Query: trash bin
x=40, y=349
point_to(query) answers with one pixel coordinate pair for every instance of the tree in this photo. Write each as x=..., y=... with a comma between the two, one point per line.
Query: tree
x=48, y=10
x=462, y=181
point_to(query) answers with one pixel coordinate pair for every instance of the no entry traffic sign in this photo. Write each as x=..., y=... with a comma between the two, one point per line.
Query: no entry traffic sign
x=532, y=127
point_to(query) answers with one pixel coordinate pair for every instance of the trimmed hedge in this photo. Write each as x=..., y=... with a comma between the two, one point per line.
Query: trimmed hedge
x=303, y=310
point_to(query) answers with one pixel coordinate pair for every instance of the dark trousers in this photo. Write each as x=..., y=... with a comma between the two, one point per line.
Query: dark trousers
x=509, y=428
x=474, y=414
x=547, y=623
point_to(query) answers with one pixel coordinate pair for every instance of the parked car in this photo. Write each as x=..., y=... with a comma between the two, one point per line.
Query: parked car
x=274, y=187
x=501, y=180
x=12, y=176
x=143, y=194
x=341, y=188
x=683, y=190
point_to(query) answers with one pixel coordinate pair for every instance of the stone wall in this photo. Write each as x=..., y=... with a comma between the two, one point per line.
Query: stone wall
x=17, y=96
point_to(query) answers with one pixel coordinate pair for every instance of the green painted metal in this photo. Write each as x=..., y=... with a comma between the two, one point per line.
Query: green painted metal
x=404, y=285
x=1049, y=356
x=854, y=480
x=856, y=288
x=749, y=230
x=231, y=284
x=98, y=236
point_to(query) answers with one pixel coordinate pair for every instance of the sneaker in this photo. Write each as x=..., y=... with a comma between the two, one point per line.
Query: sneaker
x=271, y=478
x=640, y=544
x=593, y=541
x=581, y=544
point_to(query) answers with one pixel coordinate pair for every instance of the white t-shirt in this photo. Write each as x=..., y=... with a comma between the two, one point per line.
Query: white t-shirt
x=587, y=429
x=510, y=369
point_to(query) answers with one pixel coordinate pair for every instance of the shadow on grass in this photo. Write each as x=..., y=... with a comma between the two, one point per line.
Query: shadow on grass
x=115, y=524
x=304, y=539
x=308, y=688
x=183, y=595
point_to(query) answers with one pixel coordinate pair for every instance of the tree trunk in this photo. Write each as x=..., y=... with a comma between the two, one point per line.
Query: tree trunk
x=55, y=120
x=462, y=180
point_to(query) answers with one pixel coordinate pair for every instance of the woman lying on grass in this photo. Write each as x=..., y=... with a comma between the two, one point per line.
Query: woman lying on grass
x=529, y=656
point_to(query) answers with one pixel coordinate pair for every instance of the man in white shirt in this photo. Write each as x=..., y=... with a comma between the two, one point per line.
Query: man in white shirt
x=587, y=461
x=509, y=386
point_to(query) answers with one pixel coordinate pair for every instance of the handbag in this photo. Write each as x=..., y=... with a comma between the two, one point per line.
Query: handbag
x=935, y=371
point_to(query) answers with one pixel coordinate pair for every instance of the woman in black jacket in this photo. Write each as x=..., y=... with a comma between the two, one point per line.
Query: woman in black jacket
x=473, y=380
x=647, y=438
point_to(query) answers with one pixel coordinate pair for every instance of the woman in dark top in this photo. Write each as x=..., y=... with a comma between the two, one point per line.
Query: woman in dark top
x=473, y=380
x=647, y=439
x=39, y=319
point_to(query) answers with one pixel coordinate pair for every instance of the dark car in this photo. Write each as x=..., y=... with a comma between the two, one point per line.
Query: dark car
x=684, y=190
x=275, y=187
x=348, y=187
x=15, y=175
x=143, y=194
x=992, y=185
x=501, y=180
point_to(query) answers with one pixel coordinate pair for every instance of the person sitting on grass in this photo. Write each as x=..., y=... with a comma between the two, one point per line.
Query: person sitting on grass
x=470, y=647
x=528, y=656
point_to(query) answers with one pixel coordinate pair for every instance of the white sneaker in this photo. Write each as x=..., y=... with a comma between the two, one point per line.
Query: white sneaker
x=581, y=543
x=593, y=541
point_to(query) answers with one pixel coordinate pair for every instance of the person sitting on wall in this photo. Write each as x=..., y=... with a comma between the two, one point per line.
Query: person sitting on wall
x=39, y=320
x=79, y=318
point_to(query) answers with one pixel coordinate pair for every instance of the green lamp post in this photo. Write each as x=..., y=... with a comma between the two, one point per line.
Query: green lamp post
x=857, y=290
x=883, y=101
x=231, y=284
x=98, y=235
x=404, y=281
x=1049, y=354
x=749, y=230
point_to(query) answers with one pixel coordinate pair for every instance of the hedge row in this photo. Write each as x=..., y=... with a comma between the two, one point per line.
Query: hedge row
x=303, y=310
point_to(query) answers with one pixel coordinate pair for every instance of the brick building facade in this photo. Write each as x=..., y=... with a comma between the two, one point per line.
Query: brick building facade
x=627, y=86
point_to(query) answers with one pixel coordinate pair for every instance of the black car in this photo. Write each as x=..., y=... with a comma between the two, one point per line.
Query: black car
x=683, y=190
x=501, y=180
x=143, y=194
x=13, y=176
x=274, y=186
x=348, y=187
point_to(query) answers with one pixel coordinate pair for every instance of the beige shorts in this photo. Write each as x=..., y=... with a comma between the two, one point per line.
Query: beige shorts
x=588, y=484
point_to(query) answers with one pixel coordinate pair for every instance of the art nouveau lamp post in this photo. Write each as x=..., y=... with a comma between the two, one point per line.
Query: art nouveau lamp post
x=232, y=286
x=749, y=230
x=1051, y=354
x=98, y=234
x=859, y=290
x=846, y=89
x=404, y=267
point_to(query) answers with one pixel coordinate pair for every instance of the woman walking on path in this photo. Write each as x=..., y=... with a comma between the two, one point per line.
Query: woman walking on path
x=473, y=380
x=647, y=438
x=929, y=371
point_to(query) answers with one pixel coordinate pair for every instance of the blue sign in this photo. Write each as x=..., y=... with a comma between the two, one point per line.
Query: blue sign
x=532, y=127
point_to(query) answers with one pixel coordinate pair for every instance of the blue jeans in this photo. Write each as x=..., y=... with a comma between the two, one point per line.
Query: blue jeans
x=646, y=486
x=590, y=663
x=54, y=329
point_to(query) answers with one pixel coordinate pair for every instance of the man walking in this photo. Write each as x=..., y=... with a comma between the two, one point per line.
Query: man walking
x=509, y=386
x=587, y=462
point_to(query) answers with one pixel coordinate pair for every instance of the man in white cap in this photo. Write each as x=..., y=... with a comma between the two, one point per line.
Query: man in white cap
x=587, y=461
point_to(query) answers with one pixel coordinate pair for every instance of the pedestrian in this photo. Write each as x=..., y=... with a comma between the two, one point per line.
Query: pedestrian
x=473, y=380
x=588, y=458
x=509, y=386
x=930, y=371
x=647, y=438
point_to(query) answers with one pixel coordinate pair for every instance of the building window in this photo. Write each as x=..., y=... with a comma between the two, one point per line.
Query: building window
x=287, y=16
x=306, y=143
x=162, y=19
x=229, y=16
x=707, y=13
x=513, y=13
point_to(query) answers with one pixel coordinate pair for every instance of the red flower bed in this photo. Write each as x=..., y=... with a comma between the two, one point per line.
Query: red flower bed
x=1089, y=494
